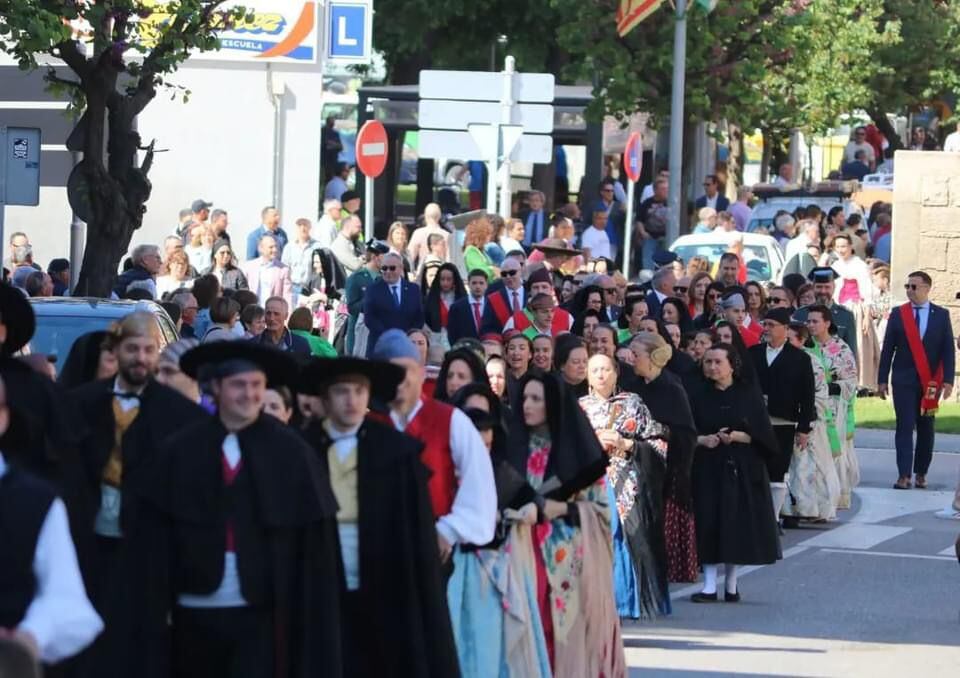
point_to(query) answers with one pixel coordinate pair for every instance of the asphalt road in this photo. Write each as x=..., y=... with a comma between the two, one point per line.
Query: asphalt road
x=876, y=593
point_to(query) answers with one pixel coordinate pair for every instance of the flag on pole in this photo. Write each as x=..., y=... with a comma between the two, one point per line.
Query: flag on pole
x=632, y=12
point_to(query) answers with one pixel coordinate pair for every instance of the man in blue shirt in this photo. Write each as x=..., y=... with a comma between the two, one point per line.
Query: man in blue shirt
x=269, y=225
x=536, y=221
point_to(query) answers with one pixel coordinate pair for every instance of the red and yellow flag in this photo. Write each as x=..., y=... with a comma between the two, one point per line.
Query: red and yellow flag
x=632, y=12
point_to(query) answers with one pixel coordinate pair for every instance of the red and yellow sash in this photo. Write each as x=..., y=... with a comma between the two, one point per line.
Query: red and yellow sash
x=932, y=383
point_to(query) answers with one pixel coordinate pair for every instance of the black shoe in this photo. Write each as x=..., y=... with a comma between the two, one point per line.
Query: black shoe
x=703, y=597
x=791, y=522
x=731, y=597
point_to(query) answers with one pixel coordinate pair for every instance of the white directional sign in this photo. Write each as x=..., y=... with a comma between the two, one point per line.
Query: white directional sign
x=485, y=86
x=440, y=114
x=537, y=148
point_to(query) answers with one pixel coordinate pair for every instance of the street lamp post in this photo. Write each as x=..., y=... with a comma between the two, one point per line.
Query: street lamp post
x=676, y=120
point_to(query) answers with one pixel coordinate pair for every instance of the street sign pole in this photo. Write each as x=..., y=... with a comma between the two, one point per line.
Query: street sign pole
x=506, y=107
x=368, y=209
x=3, y=188
x=676, y=121
x=628, y=230
x=372, y=152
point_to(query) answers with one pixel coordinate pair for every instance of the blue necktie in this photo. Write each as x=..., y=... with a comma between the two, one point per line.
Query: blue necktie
x=396, y=294
x=916, y=315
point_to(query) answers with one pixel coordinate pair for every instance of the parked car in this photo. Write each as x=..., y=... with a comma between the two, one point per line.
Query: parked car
x=762, y=254
x=60, y=320
x=772, y=200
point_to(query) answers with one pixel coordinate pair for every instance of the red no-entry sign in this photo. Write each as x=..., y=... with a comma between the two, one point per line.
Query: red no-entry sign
x=372, y=149
x=633, y=157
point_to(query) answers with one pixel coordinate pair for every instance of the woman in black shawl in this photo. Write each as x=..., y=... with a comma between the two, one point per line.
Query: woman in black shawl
x=731, y=488
x=445, y=289
x=725, y=333
x=555, y=450
x=460, y=366
x=90, y=359
x=667, y=401
x=682, y=365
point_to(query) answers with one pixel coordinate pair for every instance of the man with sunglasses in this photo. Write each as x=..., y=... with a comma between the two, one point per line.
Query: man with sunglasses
x=391, y=302
x=712, y=196
x=505, y=301
x=918, y=358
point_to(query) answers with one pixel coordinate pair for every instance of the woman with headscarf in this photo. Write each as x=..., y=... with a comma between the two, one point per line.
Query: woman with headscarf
x=555, y=450
x=446, y=288
x=90, y=359
x=637, y=449
x=223, y=266
x=492, y=594
x=731, y=488
x=460, y=366
x=667, y=401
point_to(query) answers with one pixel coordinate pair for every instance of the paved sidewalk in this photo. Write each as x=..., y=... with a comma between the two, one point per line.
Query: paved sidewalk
x=877, y=439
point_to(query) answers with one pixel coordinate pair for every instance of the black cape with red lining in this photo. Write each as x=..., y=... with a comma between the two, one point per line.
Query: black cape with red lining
x=407, y=630
x=285, y=531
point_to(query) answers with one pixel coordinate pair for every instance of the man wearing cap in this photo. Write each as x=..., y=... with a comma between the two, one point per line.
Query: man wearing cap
x=536, y=317
x=466, y=313
x=356, y=287
x=505, y=301
x=59, y=270
x=395, y=620
x=43, y=604
x=129, y=416
x=392, y=301
x=918, y=357
x=243, y=537
x=269, y=225
x=844, y=323
x=200, y=213
x=785, y=377
x=462, y=491
x=735, y=312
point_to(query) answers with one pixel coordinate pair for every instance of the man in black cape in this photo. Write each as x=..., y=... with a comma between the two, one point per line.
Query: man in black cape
x=785, y=377
x=128, y=417
x=243, y=523
x=395, y=616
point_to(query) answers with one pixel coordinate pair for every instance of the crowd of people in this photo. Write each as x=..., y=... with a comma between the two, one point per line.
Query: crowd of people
x=443, y=453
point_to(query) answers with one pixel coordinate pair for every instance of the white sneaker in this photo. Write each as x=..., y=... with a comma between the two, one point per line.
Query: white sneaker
x=948, y=514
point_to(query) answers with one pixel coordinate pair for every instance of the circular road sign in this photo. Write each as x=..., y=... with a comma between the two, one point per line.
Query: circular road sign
x=633, y=157
x=372, y=149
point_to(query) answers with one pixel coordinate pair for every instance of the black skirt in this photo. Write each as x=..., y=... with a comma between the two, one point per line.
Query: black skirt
x=732, y=507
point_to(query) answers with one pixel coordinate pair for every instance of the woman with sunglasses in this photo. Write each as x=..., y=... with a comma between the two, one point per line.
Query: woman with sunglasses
x=711, y=306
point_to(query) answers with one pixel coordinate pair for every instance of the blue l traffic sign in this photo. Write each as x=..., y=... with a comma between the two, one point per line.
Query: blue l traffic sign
x=348, y=31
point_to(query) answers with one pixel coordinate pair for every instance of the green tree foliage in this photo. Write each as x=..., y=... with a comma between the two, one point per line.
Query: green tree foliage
x=118, y=55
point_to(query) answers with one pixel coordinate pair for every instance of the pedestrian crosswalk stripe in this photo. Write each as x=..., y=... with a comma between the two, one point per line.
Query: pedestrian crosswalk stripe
x=854, y=536
x=887, y=554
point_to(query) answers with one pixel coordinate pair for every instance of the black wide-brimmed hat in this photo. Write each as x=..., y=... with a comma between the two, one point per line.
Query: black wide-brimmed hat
x=556, y=247
x=220, y=359
x=384, y=377
x=822, y=274
x=17, y=314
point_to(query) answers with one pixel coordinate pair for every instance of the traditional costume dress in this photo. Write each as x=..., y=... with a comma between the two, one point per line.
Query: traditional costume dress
x=668, y=404
x=812, y=480
x=126, y=433
x=564, y=462
x=731, y=488
x=840, y=373
x=395, y=621
x=854, y=291
x=243, y=545
x=635, y=487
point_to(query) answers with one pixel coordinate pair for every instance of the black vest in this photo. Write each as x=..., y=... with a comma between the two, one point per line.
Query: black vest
x=24, y=502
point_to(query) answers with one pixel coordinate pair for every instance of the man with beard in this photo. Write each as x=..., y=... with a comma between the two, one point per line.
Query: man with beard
x=824, y=287
x=785, y=377
x=395, y=620
x=128, y=416
x=243, y=532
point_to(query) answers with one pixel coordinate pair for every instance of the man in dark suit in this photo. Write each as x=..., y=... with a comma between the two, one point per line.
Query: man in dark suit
x=915, y=397
x=712, y=196
x=465, y=318
x=785, y=377
x=661, y=287
x=503, y=303
x=822, y=278
x=391, y=301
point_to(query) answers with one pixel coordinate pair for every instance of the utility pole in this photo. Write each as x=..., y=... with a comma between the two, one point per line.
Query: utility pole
x=677, y=120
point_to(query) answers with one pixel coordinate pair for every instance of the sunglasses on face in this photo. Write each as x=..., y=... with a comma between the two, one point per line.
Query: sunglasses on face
x=714, y=295
x=388, y=268
x=507, y=274
x=607, y=190
x=912, y=287
x=680, y=290
x=776, y=300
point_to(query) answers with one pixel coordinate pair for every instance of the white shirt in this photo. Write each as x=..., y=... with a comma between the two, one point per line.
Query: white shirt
x=854, y=268
x=327, y=229
x=646, y=193
x=924, y=316
x=952, y=143
x=711, y=202
x=596, y=241
x=473, y=517
x=796, y=245
x=266, y=280
x=520, y=297
x=772, y=353
x=509, y=244
x=60, y=616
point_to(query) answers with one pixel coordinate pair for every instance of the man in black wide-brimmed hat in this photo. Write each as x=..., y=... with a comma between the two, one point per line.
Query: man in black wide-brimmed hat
x=245, y=549
x=395, y=616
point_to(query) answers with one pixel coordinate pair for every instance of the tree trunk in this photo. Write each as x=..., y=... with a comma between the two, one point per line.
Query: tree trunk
x=765, y=157
x=734, y=160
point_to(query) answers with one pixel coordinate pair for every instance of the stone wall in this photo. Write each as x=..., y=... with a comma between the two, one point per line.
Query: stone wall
x=926, y=225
